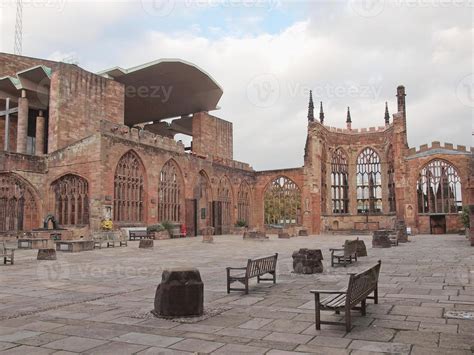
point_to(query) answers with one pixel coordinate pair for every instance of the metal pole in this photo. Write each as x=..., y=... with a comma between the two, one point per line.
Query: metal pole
x=7, y=124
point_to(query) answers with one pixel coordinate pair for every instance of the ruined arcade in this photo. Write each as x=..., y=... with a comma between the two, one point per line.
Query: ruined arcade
x=86, y=146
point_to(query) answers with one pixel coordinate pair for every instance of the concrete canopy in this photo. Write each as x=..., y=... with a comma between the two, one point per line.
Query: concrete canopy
x=164, y=89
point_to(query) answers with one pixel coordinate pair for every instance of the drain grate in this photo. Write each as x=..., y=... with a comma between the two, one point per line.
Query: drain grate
x=459, y=315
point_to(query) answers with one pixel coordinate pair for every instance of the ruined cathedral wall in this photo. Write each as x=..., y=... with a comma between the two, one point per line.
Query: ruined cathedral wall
x=11, y=64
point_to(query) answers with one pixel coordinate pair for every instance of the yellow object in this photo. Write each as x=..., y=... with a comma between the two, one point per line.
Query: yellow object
x=107, y=224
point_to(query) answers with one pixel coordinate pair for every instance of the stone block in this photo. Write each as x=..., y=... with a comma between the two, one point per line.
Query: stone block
x=283, y=235
x=207, y=235
x=180, y=293
x=146, y=243
x=380, y=239
x=307, y=261
x=46, y=254
x=361, y=248
x=255, y=235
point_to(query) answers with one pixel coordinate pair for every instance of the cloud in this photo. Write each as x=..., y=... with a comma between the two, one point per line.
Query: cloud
x=348, y=55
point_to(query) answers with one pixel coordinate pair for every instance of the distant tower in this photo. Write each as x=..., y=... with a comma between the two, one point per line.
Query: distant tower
x=349, y=119
x=401, y=99
x=311, y=107
x=321, y=113
x=18, y=28
x=387, y=115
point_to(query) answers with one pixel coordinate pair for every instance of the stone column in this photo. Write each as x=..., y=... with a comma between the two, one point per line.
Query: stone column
x=7, y=125
x=40, y=123
x=22, y=130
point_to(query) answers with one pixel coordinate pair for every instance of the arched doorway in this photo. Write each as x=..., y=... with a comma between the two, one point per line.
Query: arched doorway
x=282, y=202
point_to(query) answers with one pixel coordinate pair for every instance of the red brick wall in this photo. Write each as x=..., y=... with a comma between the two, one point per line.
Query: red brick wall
x=13, y=129
x=78, y=101
x=10, y=64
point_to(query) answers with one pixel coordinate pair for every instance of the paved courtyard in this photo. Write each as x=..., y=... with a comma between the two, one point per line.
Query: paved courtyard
x=99, y=302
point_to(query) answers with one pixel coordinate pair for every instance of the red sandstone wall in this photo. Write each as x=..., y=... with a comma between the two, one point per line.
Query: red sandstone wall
x=212, y=136
x=78, y=101
x=11, y=64
x=13, y=130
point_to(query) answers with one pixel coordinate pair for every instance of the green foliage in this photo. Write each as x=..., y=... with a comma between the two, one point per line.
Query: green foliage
x=465, y=217
x=168, y=226
x=155, y=228
x=241, y=224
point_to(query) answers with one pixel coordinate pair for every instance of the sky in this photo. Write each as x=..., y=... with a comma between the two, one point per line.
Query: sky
x=268, y=54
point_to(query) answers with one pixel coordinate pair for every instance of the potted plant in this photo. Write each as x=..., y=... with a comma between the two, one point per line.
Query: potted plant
x=240, y=227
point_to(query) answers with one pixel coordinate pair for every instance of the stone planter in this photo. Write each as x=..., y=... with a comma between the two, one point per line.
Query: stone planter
x=160, y=235
x=283, y=235
x=361, y=248
x=401, y=229
x=308, y=261
x=46, y=254
x=380, y=239
x=255, y=235
x=146, y=244
x=180, y=293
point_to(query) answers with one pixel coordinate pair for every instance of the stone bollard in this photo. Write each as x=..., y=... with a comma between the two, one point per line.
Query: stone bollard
x=401, y=229
x=180, y=293
x=308, y=261
x=146, y=243
x=46, y=254
x=361, y=248
x=380, y=239
x=207, y=235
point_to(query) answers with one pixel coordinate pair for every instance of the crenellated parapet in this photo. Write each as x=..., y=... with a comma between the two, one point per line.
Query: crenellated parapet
x=232, y=164
x=441, y=146
x=141, y=136
x=354, y=131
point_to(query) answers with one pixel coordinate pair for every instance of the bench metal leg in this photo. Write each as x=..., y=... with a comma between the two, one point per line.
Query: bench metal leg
x=363, y=307
x=246, y=286
x=274, y=277
x=347, y=316
x=317, y=312
x=376, y=295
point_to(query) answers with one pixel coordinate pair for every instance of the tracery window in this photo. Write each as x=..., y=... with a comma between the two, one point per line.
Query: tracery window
x=18, y=209
x=391, y=181
x=243, y=203
x=323, y=180
x=170, y=194
x=71, y=200
x=339, y=182
x=282, y=202
x=224, y=196
x=129, y=187
x=439, y=188
x=369, y=182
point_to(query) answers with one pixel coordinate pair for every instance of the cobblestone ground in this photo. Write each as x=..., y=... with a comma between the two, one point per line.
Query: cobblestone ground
x=99, y=302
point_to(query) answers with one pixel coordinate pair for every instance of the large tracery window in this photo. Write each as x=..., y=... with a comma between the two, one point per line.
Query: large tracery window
x=170, y=194
x=129, y=192
x=391, y=181
x=369, y=182
x=323, y=180
x=224, y=196
x=282, y=202
x=71, y=200
x=18, y=209
x=339, y=182
x=439, y=188
x=243, y=203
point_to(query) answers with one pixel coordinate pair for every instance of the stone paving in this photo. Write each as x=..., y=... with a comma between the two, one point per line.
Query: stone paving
x=99, y=302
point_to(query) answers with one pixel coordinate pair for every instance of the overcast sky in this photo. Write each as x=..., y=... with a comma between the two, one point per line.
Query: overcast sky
x=267, y=54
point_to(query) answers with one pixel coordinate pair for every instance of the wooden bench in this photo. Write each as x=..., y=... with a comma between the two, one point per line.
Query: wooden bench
x=345, y=255
x=140, y=235
x=360, y=287
x=8, y=254
x=255, y=268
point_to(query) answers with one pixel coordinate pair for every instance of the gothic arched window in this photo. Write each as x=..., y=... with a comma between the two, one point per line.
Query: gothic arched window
x=391, y=180
x=71, y=200
x=18, y=208
x=439, y=188
x=243, y=203
x=170, y=194
x=323, y=180
x=369, y=182
x=339, y=182
x=282, y=202
x=224, y=196
x=129, y=189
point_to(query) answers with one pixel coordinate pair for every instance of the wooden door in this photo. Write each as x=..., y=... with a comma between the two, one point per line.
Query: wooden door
x=191, y=218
